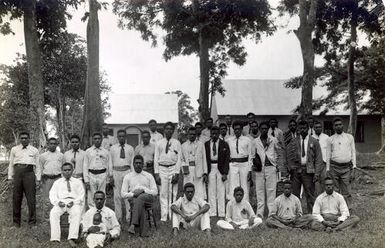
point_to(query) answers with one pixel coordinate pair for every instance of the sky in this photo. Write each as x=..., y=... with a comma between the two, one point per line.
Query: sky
x=133, y=66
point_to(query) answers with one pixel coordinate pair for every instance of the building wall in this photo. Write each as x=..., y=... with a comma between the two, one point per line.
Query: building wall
x=371, y=136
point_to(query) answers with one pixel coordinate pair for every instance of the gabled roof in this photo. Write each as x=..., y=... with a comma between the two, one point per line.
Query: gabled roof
x=264, y=97
x=140, y=108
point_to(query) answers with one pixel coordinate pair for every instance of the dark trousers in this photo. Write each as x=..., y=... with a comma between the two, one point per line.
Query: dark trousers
x=24, y=182
x=300, y=177
x=138, y=210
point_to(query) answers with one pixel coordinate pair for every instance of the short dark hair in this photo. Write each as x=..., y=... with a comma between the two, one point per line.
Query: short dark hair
x=264, y=123
x=97, y=134
x=287, y=182
x=100, y=192
x=169, y=123
x=191, y=129
x=209, y=119
x=67, y=163
x=138, y=156
x=75, y=136
x=222, y=125
x=317, y=122
x=237, y=123
x=328, y=178
x=146, y=131
x=152, y=121
x=198, y=124
x=250, y=114
x=239, y=189
x=121, y=131
x=303, y=122
x=337, y=119
x=214, y=128
x=273, y=119
x=254, y=122
x=52, y=138
x=293, y=121
x=188, y=185
x=310, y=118
x=24, y=133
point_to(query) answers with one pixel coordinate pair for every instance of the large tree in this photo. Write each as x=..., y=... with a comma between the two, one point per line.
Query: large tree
x=213, y=30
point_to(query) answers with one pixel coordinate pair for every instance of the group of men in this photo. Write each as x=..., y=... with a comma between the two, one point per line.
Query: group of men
x=217, y=163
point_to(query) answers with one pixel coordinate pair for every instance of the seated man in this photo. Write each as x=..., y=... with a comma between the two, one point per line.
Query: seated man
x=190, y=211
x=239, y=213
x=108, y=218
x=96, y=234
x=140, y=188
x=331, y=212
x=286, y=211
x=66, y=195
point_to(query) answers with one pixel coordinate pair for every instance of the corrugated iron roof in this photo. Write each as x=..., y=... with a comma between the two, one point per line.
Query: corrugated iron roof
x=140, y=108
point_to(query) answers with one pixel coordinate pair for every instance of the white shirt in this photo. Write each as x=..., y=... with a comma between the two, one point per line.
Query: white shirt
x=203, y=138
x=155, y=137
x=286, y=207
x=147, y=152
x=95, y=159
x=108, y=218
x=304, y=158
x=69, y=157
x=29, y=155
x=51, y=162
x=206, y=132
x=59, y=191
x=277, y=132
x=115, y=159
x=236, y=212
x=172, y=157
x=211, y=149
x=270, y=150
x=330, y=204
x=142, y=180
x=323, y=140
x=189, y=207
x=341, y=149
x=108, y=141
x=244, y=147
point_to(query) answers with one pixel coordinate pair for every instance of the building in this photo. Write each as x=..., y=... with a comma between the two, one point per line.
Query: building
x=132, y=113
x=269, y=98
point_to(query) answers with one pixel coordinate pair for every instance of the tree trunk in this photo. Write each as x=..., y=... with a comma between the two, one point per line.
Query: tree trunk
x=60, y=113
x=204, y=77
x=307, y=16
x=93, y=118
x=35, y=79
x=351, y=83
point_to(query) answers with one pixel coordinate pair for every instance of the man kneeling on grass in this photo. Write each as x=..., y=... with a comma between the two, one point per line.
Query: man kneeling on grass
x=286, y=211
x=331, y=212
x=190, y=211
x=239, y=213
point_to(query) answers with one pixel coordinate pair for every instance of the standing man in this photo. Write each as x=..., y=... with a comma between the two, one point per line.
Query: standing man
x=267, y=149
x=194, y=165
x=139, y=186
x=66, y=196
x=23, y=160
x=108, y=140
x=247, y=129
x=76, y=157
x=341, y=159
x=199, y=136
x=253, y=133
x=241, y=159
x=121, y=156
x=147, y=151
x=96, y=168
x=223, y=132
x=209, y=125
x=291, y=133
x=50, y=163
x=155, y=135
x=229, y=123
x=218, y=159
x=167, y=164
x=304, y=162
x=323, y=140
x=274, y=130
x=311, y=122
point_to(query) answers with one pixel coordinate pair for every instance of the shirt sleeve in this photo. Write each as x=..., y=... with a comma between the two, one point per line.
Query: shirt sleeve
x=125, y=193
x=178, y=203
x=298, y=207
x=328, y=153
x=53, y=197
x=86, y=221
x=317, y=210
x=156, y=158
x=343, y=208
x=250, y=210
x=353, y=148
x=11, y=163
x=229, y=212
x=179, y=157
x=81, y=193
x=110, y=164
x=85, y=167
x=250, y=152
x=204, y=161
x=153, y=190
x=115, y=228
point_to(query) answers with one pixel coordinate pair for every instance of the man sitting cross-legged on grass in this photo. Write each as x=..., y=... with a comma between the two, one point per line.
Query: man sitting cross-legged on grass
x=239, y=213
x=190, y=211
x=286, y=211
x=331, y=212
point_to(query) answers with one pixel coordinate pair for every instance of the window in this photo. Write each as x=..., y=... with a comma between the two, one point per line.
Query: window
x=360, y=134
x=328, y=128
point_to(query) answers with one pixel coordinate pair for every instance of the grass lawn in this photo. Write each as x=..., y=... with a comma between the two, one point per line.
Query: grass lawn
x=369, y=233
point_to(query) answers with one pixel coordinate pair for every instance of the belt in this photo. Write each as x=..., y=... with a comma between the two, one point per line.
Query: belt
x=348, y=164
x=121, y=168
x=23, y=165
x=166, y=165
x=214, y=161
x=239, y=160
x=96, y=172
x=51, y=176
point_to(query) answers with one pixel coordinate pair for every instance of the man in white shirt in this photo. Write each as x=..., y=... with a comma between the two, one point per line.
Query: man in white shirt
x=223, y=135
x=239, y=213
x=341, y=159
x=155, y=135
x=323, y=140
x=241, y=153
x=275, y=131
x=75, y=156
x=194, y=165
x=50, y=163
x=66, y=195
x=140, y=188
x=190, y=211
x=147, y=151
x=247, y=128
x=199, y=135
x=331, y=212
x=229, y=123
x=108, y=218
x=253, y=133
x=24, y=177
x=108, y=140
x=121, y=156
x=311, y=122
x=167, y=162
x=96, y=168
x=266, y=177
x=286, y=211
x=209, y=125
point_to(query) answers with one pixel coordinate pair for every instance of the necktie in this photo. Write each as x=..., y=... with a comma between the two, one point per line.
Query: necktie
x=75, y=158
x=214, y=148
x=272, y=133
x=229, y=130
x=237, y=146
x=167, y=146
x=303, y=147
x=25, y=147
x=68, y=185
x=311, y=131
x=122, y=155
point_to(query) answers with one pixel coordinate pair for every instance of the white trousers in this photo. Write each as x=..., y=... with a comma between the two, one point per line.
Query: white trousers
x=168, y=191
x=217, y=192
x=200, y=190
x=75, y=214
x=244, y=224
x=118, y=181
x=265, y=181
x=238, y=177
x=202, y=222
x=97, y=182
x=95, y=239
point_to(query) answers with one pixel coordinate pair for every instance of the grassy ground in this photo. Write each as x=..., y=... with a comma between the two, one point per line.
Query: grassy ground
x=369, y=233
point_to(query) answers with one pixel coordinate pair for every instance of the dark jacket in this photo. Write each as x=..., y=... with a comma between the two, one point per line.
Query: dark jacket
x=223, y=156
